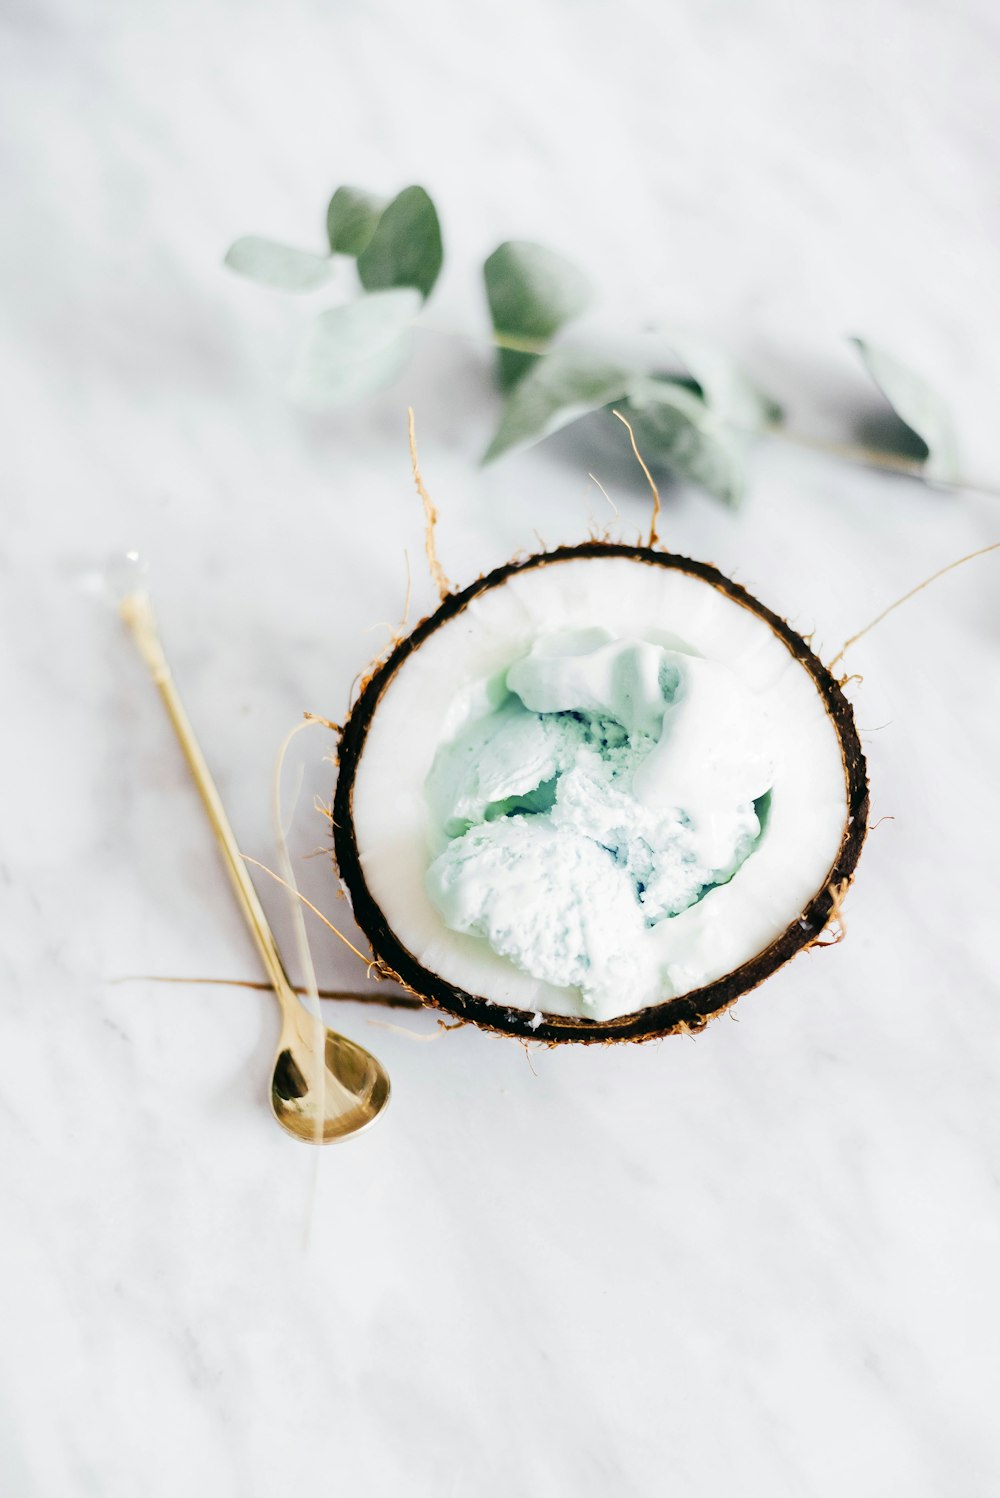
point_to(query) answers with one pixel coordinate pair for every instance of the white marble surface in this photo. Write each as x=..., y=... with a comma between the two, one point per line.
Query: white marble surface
x=759, y=1262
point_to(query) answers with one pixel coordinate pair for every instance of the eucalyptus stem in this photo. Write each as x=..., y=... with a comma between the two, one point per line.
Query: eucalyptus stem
x=875, y=458
x=492, y=340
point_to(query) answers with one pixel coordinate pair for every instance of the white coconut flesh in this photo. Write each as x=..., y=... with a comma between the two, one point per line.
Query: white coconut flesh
x=600, y=785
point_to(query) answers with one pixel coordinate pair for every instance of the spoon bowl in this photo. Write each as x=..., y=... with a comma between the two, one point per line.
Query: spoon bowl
x=324, y=1086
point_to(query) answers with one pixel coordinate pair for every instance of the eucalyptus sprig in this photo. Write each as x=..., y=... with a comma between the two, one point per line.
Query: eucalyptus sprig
x=697, y=424
x=359, y=346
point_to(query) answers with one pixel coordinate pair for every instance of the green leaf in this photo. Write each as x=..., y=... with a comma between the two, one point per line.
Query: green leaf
x=726, y=387
x=918, y=406
x=532, y=293
x=356, y=349
x=560, y=388
x=405, y=249
x=675, y=430
x=351, y=219
x=277, y=265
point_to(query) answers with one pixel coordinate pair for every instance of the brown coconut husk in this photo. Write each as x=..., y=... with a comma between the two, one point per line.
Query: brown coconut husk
x=684, y=1015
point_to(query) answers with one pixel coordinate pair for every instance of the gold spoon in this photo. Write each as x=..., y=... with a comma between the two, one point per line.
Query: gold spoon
x=324, y=1086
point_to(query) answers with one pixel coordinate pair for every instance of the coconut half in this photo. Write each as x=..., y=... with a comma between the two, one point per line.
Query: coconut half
x=578, y=900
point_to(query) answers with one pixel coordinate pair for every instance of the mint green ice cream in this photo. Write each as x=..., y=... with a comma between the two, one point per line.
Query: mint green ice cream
x=602, y=787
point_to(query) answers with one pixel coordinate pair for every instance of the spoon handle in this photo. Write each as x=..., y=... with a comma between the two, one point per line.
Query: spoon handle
x=137, y=612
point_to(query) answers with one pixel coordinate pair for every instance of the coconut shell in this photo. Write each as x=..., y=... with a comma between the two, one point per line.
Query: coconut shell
x=686, y=1014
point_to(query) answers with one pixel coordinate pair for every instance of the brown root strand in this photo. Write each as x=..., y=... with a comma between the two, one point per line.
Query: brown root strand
x=430, y=516
x=404, y=623
x=320, y=852
x=653, y=525
x=419, y=1036
x=960, y=562
x=595, y=531
x=369, y=962
x=390, y=1000
x=594, y=479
